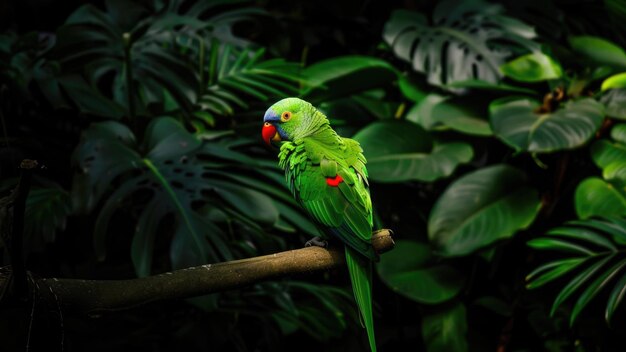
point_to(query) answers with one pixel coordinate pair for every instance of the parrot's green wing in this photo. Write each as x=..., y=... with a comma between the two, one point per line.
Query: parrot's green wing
x=344, y=209
x=330, y=181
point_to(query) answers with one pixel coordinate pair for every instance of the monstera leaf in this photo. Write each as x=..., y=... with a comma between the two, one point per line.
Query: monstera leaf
x=398, y=151
x=517, y=122
x=594, y=261
x=480, y=208
x=465, y=40
x=176, y=174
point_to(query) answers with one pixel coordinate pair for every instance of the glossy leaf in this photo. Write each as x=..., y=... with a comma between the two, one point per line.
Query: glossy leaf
x=410, y=271
x=399, y=151
x=599, y=51
x=617, y=81
x=439, y=112
x=468, y=42
x=614, y=102
x=618, y=133
x=534, y=67
x=605, y=153
x=596, y=197
x=515, y=121
x=480, y=208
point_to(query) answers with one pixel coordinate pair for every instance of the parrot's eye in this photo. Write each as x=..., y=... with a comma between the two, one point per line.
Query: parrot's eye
x=285, y=116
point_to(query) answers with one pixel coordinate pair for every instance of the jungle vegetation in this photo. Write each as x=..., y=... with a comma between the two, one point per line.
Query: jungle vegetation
x=496, y=147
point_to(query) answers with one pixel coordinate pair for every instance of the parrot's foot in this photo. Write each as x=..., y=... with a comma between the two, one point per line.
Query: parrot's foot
x=317, y=242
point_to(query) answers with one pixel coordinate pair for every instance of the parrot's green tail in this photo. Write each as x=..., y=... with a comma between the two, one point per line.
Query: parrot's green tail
x=360, y=269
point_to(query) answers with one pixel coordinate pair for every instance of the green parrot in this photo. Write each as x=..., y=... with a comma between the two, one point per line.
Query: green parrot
x=327, y=176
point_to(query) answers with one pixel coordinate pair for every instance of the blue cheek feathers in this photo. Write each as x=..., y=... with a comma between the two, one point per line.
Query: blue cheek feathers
x=281, y=132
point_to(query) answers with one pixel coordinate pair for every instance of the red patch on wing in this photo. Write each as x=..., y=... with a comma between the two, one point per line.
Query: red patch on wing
x=334, y=181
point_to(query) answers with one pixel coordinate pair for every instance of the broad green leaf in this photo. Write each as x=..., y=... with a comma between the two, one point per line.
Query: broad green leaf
x=410, y=89
x=596, y=197
x=551, y=271
x=457, y=114
x=481, y=208
x=594, y=288
x=346, y=75
x=446, y=330
x=614, y=102
x=599, y=51
x=399, y=151
x=605, y=153
x=577, y=282
x=615, y=298
x=534, y=67
x=409, y=271
x=618, y=133
x=617, y=81
x=470, y=40
x=515, y=121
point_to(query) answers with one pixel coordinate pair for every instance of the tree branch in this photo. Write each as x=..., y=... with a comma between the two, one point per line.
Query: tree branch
x=93, y=296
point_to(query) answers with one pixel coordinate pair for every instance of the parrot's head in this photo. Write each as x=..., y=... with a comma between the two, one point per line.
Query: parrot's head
x=287, y=119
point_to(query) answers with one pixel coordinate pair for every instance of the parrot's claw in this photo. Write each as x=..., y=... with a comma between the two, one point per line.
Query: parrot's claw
x=317, y=242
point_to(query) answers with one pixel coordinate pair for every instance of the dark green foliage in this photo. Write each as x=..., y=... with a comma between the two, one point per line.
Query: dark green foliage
x=489, y=129
x=596, y=261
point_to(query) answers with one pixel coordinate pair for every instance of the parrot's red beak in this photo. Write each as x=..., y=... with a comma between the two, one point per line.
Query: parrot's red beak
x=270, y=134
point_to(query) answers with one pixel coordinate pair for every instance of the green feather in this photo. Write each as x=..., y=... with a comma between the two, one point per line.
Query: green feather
x=312, y=153
x=360, y=270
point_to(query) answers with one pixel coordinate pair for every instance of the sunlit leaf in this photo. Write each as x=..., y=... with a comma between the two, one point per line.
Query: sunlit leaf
x=595, y=196
x=614, y=82
x=534, y=67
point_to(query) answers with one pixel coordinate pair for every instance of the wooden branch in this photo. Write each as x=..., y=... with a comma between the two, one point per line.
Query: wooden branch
x=94, y=296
